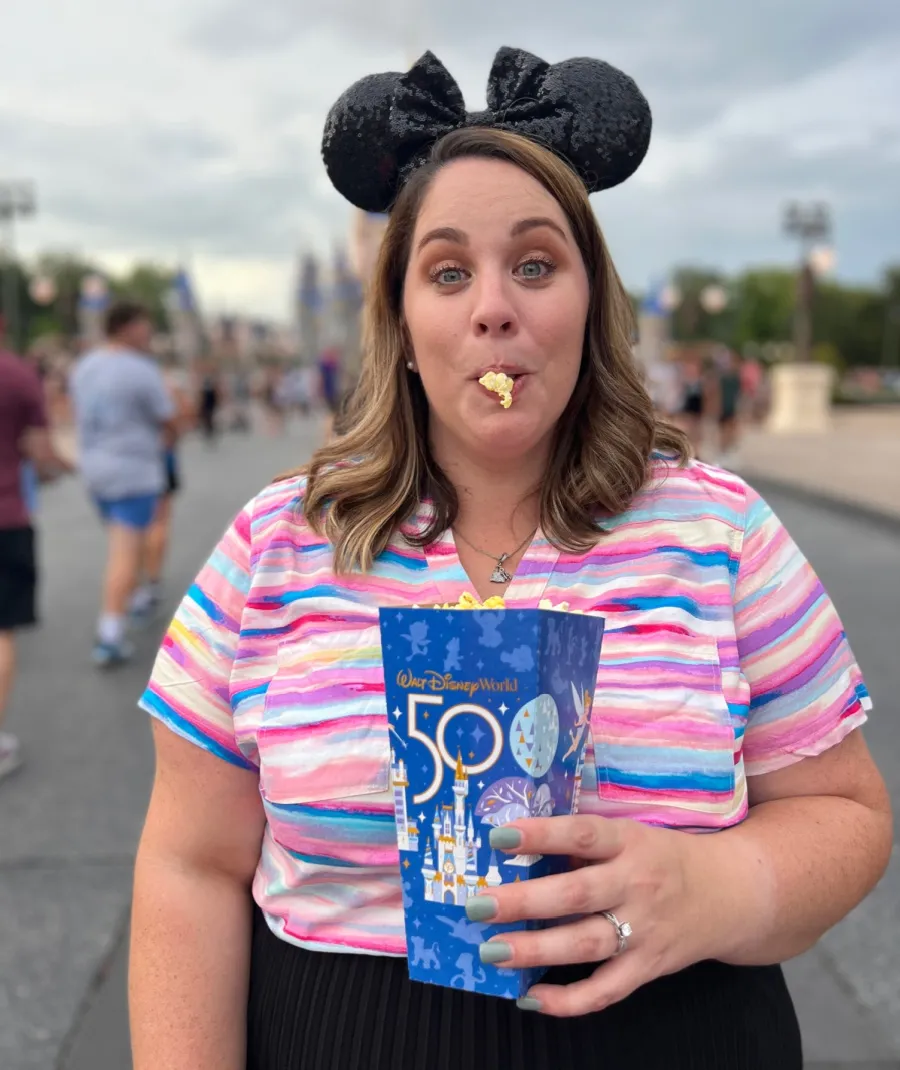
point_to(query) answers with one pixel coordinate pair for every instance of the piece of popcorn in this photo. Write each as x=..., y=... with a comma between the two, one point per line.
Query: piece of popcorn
x=500, y=383
x=467, y=600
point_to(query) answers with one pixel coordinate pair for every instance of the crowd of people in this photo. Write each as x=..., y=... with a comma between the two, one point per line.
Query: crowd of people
x=129, y=412
x=711, y=396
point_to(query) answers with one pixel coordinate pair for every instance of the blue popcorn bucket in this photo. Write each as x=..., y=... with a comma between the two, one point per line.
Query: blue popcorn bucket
x=489, y=711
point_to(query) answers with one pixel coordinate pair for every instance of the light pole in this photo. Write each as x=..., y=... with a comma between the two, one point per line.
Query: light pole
x=811, y=225
x=801, y=390
x=16, y=201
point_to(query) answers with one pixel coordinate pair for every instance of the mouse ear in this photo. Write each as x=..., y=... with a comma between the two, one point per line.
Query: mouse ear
x=611, y=121
x=356, y=144
x=384, y=126
x=585, y=110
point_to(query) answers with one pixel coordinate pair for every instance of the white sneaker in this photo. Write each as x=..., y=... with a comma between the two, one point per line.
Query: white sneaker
x=10, y=754
x=109, y=655
x=144, y=606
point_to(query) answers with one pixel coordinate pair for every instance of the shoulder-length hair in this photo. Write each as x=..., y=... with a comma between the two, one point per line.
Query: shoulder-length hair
x=379, y=468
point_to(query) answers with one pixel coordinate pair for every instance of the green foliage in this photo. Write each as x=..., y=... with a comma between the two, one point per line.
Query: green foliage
x=690, y=320
x=147, y=283
x=852, y=320
x=826, y=353
x=849, y=322
x=764, y=306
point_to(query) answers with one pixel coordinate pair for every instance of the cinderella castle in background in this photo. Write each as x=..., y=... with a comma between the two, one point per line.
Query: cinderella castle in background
x=455, y=877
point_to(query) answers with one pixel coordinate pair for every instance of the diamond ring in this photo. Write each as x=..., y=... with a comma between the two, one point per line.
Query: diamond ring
x=623, y=931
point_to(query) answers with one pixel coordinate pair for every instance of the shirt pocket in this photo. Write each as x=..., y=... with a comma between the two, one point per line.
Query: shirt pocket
x=664, y=742
x=324, y=736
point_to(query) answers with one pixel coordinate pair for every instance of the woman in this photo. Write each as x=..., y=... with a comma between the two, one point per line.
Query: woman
x=728, y=699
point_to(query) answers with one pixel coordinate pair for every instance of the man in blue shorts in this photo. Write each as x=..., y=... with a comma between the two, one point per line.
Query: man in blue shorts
x=125, y=420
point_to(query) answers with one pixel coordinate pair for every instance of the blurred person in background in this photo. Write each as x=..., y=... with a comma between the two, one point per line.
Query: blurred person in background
x=27, y=454
x=297, y=390
x=663, y=384
x=28, y=470
x=272, y=399
x=310, y=379
x=329, y=371
x=210, y=398
x=125, y=420
x=241, y=399
x=148, y=594
x=726, y=391
x=753, y=389
x=694, y=401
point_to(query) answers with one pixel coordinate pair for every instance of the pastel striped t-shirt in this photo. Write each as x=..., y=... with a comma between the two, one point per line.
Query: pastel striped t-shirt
x=723, y=658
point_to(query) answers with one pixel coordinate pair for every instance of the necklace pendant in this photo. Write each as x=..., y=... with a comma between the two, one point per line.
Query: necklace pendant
x=500, y=575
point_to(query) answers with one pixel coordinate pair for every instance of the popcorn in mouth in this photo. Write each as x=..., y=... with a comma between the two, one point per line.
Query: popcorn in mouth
x=500, y=383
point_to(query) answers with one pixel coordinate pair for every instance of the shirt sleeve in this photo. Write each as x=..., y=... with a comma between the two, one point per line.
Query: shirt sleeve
x=806, y=690
x=191, y=689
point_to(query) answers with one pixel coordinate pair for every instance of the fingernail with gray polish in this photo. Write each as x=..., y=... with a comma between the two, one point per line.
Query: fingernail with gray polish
x=505, y=838
x=481, y=908
x=494, y=951
x=528, y=1003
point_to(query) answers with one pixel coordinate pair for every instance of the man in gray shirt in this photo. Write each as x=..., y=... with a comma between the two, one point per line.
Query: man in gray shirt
x=125, y=419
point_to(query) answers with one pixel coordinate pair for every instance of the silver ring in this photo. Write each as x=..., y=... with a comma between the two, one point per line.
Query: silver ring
x=623, y=931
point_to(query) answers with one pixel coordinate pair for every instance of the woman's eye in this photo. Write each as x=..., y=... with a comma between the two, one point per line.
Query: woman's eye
x=536, y=269
x=448, y=276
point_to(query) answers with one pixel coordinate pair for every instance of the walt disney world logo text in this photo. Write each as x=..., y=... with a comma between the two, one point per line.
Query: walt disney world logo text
x=435, y=681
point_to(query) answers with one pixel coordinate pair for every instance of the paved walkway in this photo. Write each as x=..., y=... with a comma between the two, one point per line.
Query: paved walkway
x=70, y=820
x=857, y=462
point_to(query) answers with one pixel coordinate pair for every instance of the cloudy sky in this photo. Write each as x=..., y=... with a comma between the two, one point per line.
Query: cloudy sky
x=190, y=128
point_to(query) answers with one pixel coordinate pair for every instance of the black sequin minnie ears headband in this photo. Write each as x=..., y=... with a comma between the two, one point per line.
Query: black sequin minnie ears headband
x=384, y=126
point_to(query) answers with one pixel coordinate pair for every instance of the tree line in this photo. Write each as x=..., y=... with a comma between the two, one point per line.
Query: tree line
x=853, y=325
x=58, y=317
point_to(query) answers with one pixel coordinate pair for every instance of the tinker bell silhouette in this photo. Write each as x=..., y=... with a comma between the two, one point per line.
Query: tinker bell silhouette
x=583, y=709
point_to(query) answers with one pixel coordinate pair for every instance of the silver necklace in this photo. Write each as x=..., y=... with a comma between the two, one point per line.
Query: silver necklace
x=499, y=575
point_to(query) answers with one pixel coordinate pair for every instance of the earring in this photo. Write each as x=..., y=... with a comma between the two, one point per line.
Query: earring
x=410, y=365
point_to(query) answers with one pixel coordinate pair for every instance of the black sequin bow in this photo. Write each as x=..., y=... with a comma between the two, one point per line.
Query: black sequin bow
x=384, y=126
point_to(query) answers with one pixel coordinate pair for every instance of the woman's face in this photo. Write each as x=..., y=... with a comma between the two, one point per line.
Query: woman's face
x=495, y=282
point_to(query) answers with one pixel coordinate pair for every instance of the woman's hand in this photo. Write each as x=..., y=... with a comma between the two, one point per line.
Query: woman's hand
x=654, y=879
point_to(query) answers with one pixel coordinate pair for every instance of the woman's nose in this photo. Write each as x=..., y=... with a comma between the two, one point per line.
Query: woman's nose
x=494, y=312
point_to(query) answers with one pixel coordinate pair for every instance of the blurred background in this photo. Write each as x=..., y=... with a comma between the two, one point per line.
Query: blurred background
x=170, y=154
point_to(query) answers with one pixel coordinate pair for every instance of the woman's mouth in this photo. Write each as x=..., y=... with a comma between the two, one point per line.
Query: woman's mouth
x=518, y=382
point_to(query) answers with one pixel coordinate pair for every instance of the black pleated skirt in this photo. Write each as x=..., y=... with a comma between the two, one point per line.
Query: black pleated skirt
x=314, y=1011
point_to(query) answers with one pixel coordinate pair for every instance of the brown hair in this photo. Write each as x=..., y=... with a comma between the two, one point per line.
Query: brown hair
x=375, y=473
x=122, y=314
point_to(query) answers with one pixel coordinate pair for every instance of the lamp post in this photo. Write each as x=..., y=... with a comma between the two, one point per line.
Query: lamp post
x=801, y=390
x=17, y=201
x=810, y=224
